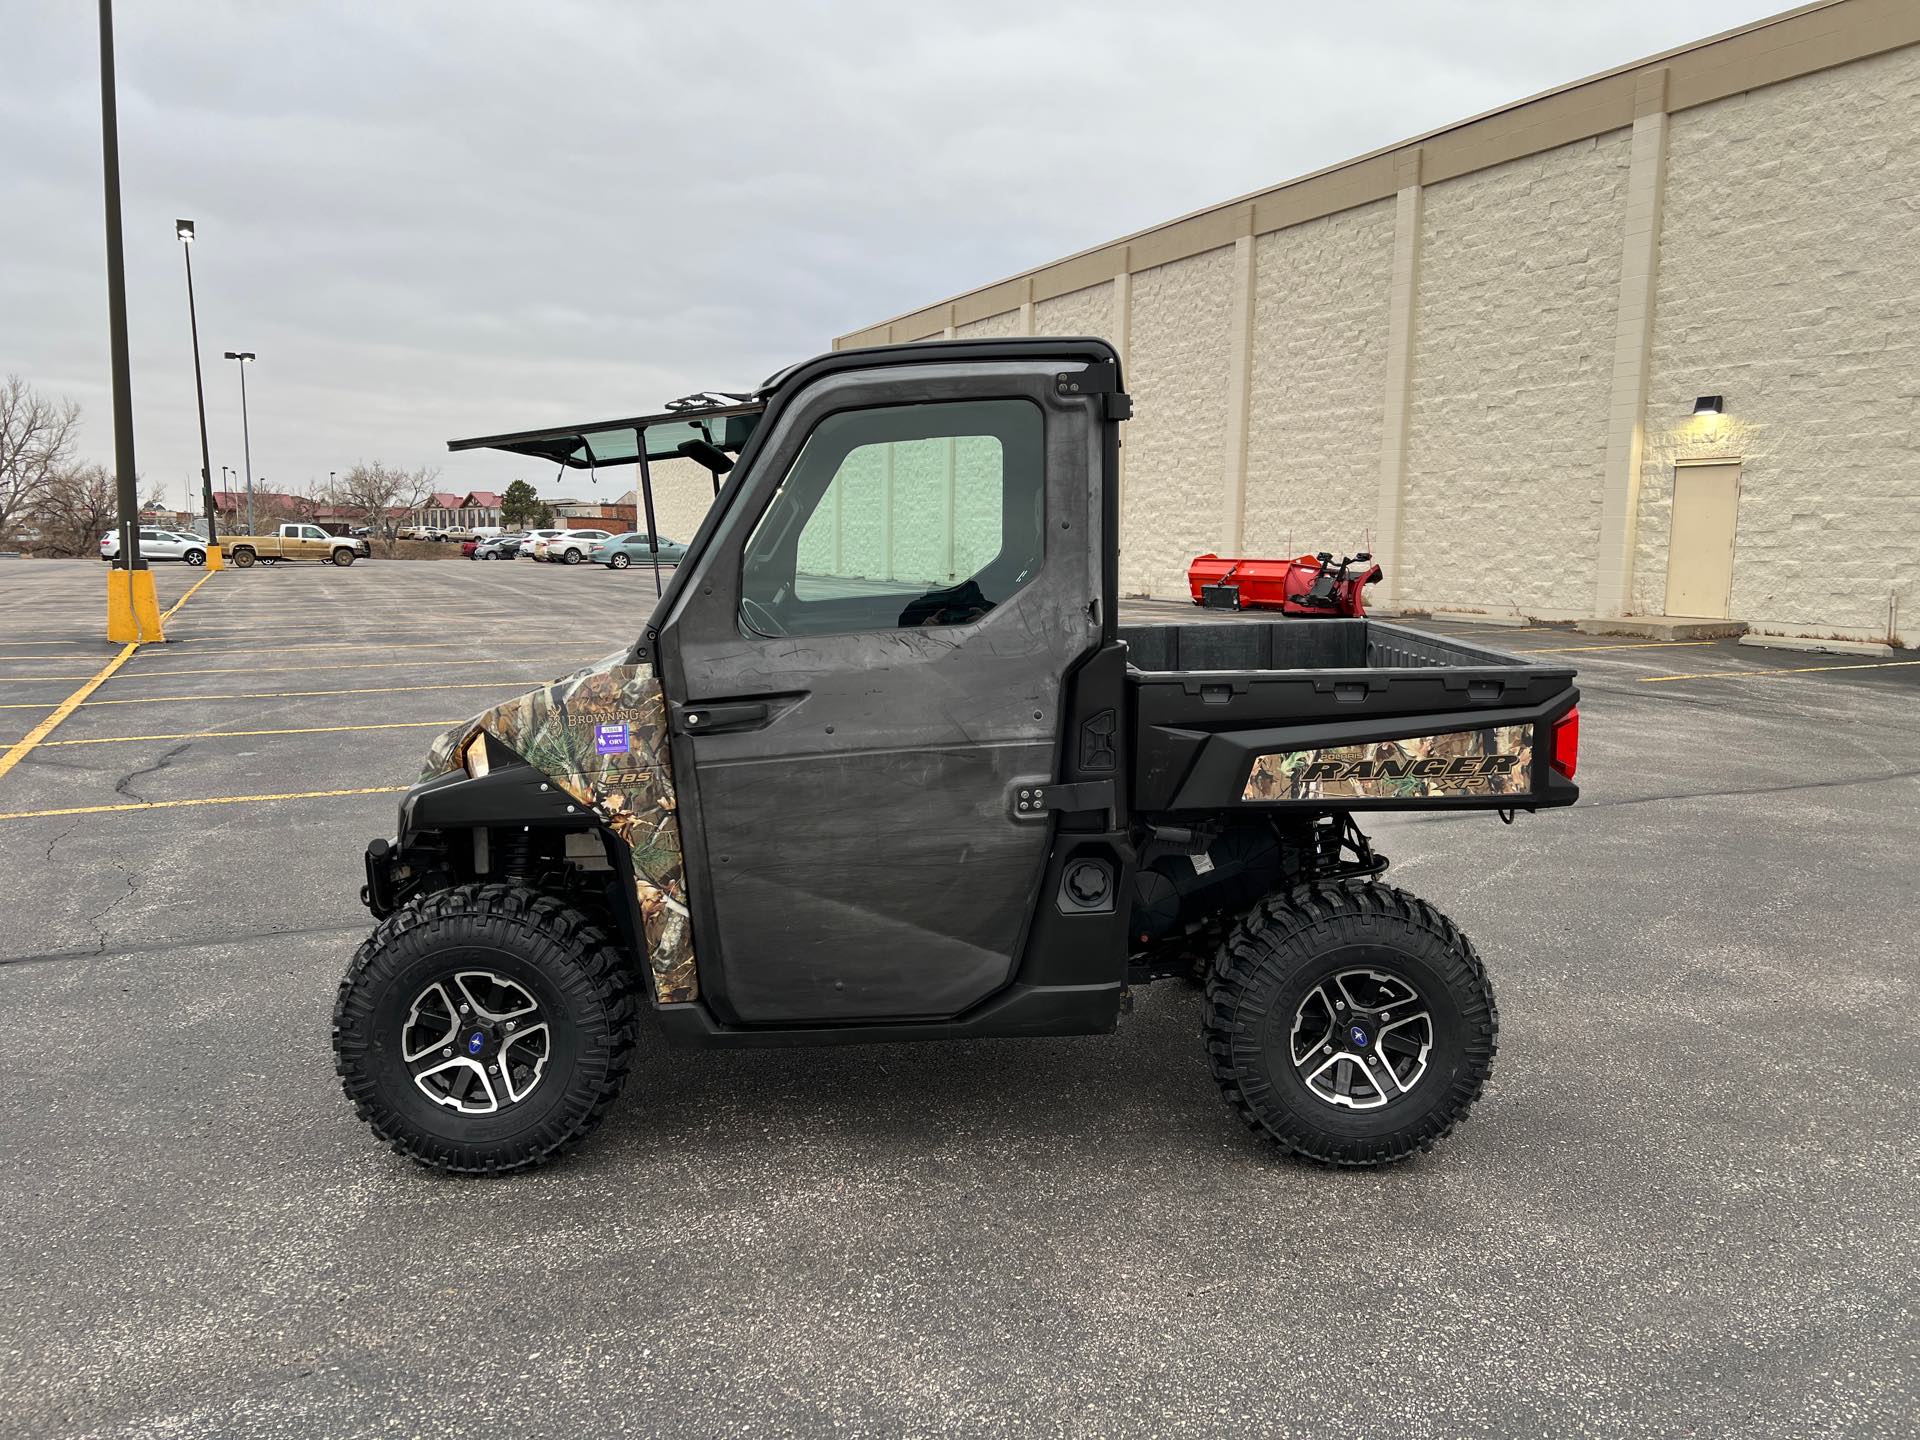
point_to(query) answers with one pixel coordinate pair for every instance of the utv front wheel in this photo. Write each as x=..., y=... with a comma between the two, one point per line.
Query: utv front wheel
x=484, y=1029
x=1352, y=1025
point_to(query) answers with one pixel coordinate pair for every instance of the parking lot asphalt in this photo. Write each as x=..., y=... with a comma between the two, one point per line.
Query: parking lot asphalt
x=1686, y=1205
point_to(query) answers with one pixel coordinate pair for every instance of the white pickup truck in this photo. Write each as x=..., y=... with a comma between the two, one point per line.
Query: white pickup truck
x=301, y=540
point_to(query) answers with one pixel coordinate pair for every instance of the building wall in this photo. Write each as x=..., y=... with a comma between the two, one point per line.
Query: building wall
x=1513, y=361
x=682, y=491
x=1170, y=509
x=1079, y=312
x=1476, y=352
x=1319, y=350
x=1790, y=283
x=993, y=327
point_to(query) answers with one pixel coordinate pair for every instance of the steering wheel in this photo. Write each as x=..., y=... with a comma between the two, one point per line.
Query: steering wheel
x=760, y=618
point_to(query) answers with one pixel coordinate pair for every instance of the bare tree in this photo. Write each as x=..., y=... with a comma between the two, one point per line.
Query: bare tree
x=387, y=499
x=36, y=444
x=77, y=505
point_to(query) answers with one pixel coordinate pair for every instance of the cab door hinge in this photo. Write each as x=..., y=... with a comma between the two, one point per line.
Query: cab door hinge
x=1101, y=378
x=1034, y=799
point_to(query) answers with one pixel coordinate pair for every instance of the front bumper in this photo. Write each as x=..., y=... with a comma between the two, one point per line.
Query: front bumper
x=381, y=892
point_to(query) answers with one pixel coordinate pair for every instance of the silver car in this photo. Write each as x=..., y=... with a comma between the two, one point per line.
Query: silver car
x=158, y=544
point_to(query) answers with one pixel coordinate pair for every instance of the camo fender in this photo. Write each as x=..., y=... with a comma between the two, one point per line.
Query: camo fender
x=601, y=735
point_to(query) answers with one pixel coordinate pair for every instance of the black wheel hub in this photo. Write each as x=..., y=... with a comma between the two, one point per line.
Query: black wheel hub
x=1361, y=1039
x=476, y=1042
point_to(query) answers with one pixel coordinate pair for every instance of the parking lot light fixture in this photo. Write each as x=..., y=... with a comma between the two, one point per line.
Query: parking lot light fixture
x=246, y=438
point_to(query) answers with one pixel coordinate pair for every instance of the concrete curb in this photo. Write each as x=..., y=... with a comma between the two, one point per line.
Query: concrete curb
x=1472, y=617
x=1818, y=646
x=1664, y=627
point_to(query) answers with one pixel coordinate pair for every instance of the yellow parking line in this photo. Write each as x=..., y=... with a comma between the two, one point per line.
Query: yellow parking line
x=295, y=694
x=1763, y=674
x=169, y=612
x=238, y=734
x=209, y=800
x=264, y=670
x=373, y=645
x=275, y=669
x=1634, y=645
x=66, y=707
x=75, y=642
x=18, y=751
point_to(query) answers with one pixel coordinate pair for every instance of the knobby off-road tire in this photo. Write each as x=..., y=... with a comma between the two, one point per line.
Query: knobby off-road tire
x=1314, y=1026
x=530, y=947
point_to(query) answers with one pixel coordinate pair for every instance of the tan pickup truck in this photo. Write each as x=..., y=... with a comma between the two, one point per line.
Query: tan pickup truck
x=298, y=541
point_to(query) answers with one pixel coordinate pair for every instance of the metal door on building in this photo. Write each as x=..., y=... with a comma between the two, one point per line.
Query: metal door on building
x=1706, y=507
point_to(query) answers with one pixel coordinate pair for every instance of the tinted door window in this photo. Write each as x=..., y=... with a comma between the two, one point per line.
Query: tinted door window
x=912, y=515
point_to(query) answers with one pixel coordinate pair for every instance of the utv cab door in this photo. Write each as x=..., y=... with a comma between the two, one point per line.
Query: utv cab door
x=866, y=667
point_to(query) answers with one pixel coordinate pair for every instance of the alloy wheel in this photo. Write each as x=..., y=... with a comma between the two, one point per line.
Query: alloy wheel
x=1361, y=1039
x=476, y=1042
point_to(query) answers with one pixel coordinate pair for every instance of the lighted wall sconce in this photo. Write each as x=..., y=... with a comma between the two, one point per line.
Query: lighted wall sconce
x=1707, y=405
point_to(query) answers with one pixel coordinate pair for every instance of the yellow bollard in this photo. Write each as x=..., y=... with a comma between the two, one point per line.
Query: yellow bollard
x=122, y=628
x=133, y=611
x=146, y=606
x=214, y=562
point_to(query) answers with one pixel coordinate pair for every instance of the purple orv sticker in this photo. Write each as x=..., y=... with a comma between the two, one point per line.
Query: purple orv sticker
x=611, y=739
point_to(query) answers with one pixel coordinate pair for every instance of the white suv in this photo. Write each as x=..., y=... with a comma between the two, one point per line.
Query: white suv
x=537, y=538
x=570, y=547
x=158, y=544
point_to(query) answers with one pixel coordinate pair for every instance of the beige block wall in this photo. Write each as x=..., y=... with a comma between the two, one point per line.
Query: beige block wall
x=1513, y=362
x=1177, y=374
x=682, y=491
x=1789, y=282
x=1318, y=354
x=1079, y=312
x=993, y=327
x=1785, y=277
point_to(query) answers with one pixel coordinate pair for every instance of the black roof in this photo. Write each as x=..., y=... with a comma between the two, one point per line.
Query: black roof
x=721, y=416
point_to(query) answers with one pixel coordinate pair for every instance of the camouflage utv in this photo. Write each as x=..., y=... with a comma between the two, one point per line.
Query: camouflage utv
x=883, y=766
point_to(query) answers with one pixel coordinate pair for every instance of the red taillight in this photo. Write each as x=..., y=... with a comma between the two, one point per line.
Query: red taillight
x=1566, y=742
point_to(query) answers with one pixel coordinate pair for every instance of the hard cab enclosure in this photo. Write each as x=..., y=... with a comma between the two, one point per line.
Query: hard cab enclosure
x=883, y=765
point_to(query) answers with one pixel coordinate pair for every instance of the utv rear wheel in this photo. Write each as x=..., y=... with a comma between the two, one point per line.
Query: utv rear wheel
x=484, y=1029
x=1351, y=1024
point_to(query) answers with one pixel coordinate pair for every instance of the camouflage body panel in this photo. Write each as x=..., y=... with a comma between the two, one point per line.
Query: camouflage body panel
x=1494, y=761
x=600, y=734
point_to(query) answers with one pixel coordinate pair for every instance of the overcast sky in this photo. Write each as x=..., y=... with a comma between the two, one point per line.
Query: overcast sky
x=444, y=219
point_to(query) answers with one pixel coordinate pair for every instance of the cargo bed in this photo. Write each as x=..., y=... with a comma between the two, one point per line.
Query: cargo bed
x=1213, y=703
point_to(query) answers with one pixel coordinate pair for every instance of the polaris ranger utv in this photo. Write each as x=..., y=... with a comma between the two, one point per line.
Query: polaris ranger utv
x=882, y=766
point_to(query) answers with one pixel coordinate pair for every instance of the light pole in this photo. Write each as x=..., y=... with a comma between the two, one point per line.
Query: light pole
x=132, y=612
x=184, y=229
x=246, y=439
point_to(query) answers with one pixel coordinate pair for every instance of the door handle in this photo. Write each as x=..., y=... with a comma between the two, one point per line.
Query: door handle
x=724, y=716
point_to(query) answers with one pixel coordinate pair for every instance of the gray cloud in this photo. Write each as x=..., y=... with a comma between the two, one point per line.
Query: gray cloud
x=442, y=219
